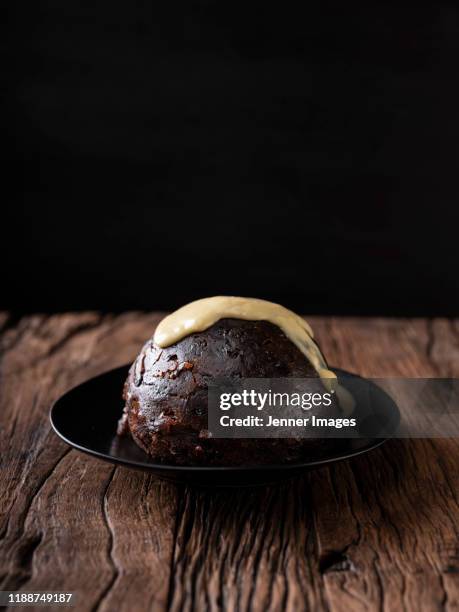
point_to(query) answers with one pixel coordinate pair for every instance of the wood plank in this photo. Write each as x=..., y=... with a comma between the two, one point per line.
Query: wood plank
x=387, y=522
x=246, y=549
x=377, y=533
x=67, y=520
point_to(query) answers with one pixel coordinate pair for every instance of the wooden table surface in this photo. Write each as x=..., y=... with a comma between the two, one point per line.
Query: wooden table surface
x=379, y=532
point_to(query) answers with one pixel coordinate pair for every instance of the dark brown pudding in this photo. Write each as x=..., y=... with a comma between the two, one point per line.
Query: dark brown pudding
x=166, y=394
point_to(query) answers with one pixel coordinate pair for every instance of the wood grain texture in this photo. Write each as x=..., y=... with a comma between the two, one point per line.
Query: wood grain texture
x=377, y=533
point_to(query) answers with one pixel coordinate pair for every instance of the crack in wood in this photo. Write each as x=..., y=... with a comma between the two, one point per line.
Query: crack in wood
x=26, y=545
x=18, y=328
x=444, y=601
x=380, y=583
x=40, y=486
x=110, y=546
x=180, y=508
x=33, y=494
x=25, y=555
x=336, y=561
x=78, y=330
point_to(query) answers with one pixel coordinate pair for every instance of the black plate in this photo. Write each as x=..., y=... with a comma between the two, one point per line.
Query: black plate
x=86, y=418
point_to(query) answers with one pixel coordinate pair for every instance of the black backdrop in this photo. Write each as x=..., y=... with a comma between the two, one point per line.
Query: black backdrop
x=159, y=153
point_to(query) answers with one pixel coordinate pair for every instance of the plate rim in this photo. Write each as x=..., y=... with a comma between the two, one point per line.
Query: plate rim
x=373, y=443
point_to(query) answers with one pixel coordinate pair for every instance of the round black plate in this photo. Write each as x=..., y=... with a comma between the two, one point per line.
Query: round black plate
x=86, y=418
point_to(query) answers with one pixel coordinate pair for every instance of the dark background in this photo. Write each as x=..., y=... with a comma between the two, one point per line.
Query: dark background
x=156, y=153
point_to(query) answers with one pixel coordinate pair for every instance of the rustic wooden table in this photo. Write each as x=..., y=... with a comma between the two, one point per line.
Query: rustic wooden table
x=379, y=532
